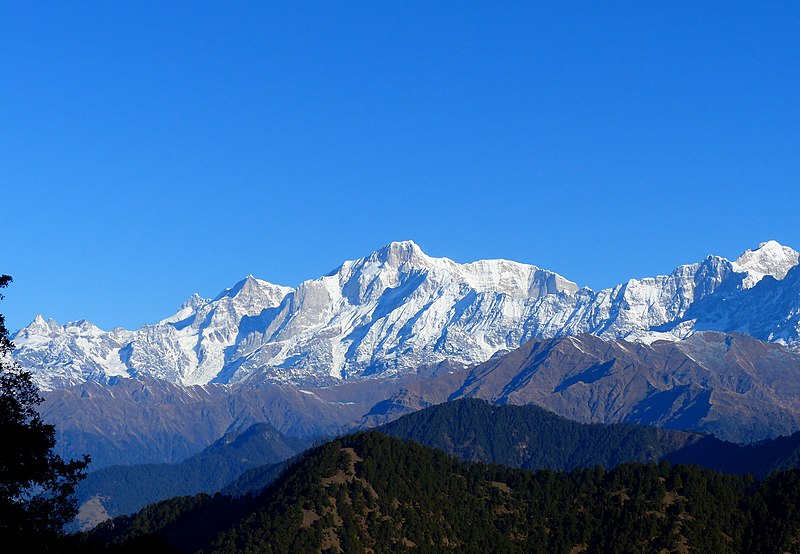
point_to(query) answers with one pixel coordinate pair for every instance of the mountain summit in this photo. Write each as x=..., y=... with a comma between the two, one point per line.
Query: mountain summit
x=399, y=309
x=770, y=258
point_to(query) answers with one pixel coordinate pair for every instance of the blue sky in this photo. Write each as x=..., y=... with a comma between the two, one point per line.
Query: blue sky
x=149, y=150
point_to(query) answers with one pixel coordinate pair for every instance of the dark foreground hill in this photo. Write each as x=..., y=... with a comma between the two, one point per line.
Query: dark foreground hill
x=526, y=437
x=531, y=437
x=370, y=492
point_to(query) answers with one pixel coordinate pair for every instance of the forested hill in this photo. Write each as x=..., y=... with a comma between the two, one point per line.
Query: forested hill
x=527, y=437
x=533, y=438
x=372, y=492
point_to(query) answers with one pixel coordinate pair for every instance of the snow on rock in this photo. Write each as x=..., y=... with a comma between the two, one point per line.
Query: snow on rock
x=770, y=258
x=61, y=356
x=398, y=309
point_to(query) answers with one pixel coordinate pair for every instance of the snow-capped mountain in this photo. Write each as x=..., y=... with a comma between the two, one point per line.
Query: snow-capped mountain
x=399, y=309
x=731, y=385
x=769, y=259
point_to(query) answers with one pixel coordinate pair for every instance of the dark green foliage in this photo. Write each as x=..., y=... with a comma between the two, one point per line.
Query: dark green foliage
x=35, y=484
x=532, y=437
x=255, y=480
x=189, y=522
x=759, y=459
x=373, y=493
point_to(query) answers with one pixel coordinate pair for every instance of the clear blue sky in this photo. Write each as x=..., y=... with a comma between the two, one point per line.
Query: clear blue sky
x=149, y=150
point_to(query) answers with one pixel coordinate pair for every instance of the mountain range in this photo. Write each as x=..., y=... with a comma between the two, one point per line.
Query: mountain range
x=734, y=386
x=469, y=357
x=399, y=309
x=710, y=348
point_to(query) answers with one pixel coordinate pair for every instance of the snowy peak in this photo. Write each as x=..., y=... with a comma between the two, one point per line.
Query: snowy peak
x=40, y=326
x=399, y=309
x=366, y=279
x=396, y=254
x=517, y=280
x=251, y=287
x=39, y=330
x=50, y=327
x=194, y=303
x=514, y=279
x=770, y=258
x=247, y=297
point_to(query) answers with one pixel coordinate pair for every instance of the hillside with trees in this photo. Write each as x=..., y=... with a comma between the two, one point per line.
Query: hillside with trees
x=373, y=493
x=534, y=438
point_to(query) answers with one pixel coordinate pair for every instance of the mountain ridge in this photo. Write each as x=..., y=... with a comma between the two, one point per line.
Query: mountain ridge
x=398, y=308
x=734, y=386
x=124, y=489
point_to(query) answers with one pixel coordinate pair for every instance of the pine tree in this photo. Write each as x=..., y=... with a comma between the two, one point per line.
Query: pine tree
x=36, y=484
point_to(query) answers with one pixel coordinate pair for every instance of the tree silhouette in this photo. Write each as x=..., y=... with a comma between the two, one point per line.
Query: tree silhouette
x=36, y=484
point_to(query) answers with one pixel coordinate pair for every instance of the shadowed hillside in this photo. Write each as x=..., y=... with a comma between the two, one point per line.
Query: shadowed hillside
x=371, y=492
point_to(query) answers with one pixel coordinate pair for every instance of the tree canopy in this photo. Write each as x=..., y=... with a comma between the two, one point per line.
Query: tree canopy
x=36, y=484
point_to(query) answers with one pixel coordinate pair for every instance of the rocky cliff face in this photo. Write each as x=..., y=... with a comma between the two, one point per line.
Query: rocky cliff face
x=731, y=385
x=398, y=309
